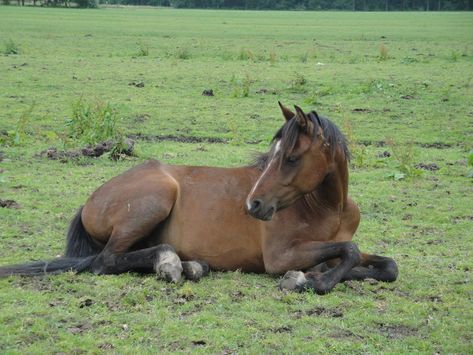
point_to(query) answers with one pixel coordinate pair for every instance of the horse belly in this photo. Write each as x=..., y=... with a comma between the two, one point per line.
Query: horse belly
x=209, y=222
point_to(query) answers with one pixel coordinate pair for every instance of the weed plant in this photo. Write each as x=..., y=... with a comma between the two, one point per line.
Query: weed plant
x=10, y=47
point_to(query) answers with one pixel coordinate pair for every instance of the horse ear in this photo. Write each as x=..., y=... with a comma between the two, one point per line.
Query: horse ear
x=301, y=117
x=288, y=114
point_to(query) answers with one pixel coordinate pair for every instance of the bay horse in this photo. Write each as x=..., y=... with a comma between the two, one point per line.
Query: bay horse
x=287, y=214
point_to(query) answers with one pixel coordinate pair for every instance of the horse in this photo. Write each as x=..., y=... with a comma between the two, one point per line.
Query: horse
x=288, y=213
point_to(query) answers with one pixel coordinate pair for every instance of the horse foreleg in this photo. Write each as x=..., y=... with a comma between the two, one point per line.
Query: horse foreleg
x=317, y=253
x=376, y=267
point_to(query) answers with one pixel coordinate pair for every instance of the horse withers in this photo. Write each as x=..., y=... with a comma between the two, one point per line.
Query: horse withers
x=287, y=214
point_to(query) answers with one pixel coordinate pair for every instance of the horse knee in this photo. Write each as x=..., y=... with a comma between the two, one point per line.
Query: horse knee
x=353, y=253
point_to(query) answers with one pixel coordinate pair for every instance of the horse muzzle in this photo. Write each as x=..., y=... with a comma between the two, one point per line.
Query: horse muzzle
x=258, y=209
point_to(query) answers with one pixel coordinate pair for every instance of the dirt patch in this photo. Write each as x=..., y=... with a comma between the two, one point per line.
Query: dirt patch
x=89, y=151
x=459, y=219
x=175, y=138
x=407, y=97
x=372, y=143
x=344, y=334
x=199, y=342
x=80, y=328
x=436, y=145
x=428, y=166
x=208, y=92
x=384, y=154
x=391, y=331
x=142, y=117
x=367, y=110
x=320, y=311
x=137, y=84
x=283, y=329
x=9, y=204
x=264, y=91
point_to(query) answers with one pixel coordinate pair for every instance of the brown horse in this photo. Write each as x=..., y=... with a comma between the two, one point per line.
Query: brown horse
x=287, y=213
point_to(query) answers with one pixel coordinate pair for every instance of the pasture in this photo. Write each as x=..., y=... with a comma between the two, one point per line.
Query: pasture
x=399, y=85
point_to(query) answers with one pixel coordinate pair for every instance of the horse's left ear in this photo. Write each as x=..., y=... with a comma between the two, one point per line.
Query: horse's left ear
x=301, y=118
x=288, y=114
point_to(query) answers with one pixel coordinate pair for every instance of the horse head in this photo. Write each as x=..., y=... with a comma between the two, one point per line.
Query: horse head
x=300, y=158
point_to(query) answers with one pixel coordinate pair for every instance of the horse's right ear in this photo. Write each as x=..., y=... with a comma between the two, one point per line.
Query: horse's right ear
x=288, y=114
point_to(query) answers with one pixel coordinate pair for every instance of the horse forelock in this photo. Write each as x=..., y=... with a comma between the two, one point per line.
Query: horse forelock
x=288, y=135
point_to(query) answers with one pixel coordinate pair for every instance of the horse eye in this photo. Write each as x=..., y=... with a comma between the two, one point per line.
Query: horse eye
x=291, y=160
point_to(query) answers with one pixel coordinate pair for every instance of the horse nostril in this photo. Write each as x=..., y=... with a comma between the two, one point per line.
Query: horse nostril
x=255, y=206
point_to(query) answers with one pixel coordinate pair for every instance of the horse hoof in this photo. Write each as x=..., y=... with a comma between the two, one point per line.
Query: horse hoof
x=168, y=266
x=195, y=270
x=169, y=273
x=293, y=280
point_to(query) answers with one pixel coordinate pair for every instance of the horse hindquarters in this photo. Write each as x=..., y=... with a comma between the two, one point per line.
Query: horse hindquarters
x=125, y=211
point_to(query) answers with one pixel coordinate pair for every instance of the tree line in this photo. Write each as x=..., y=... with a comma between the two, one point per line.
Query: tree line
x=344, y=5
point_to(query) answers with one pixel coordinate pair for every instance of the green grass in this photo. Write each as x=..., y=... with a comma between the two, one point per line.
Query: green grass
x=416, y=93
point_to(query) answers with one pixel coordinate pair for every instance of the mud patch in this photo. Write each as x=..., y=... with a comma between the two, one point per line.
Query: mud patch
x=176, y=138
x=428, y=166
x=436, y=145
x=137, y=84
x=208, y=92
x=356, y=110
x=344, y=334
x=264, y=91
x=9, y=204
x=320, y=311
x=90, y=151
x=459, y=219
x=391, y=331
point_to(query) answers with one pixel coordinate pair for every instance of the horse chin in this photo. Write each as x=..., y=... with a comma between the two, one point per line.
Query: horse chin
x=266, y=216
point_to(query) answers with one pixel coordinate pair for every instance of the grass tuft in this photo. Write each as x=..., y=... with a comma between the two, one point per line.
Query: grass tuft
x=383, y=52
x=10, y=47
x=143, y=49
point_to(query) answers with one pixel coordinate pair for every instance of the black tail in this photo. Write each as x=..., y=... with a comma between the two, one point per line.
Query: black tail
x=81, y=250
x=55, y=266
x=79, y=243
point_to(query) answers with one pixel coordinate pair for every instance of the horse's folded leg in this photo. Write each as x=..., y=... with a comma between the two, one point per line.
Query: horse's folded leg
x=195, y=270
x=374, y=267
x=168, y=264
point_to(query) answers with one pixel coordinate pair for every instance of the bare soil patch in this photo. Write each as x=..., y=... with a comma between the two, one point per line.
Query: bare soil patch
x=96, y=151
x=9, y=204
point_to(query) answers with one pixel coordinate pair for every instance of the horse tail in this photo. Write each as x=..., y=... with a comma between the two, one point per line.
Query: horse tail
x=81, y=251
x=55, y=266
x=79, y=243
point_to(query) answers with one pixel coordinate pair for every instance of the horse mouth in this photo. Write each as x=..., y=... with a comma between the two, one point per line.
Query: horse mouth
x=266, y=216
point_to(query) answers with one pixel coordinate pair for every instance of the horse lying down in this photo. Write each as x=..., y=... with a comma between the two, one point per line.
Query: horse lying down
x=287, y=214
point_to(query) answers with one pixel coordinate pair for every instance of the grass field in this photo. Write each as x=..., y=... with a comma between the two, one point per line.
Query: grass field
x=399, y=84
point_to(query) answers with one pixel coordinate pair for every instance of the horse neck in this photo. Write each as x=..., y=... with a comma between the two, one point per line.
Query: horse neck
x=332, y=193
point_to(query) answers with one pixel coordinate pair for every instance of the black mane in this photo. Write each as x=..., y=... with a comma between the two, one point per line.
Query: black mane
x=290, y=131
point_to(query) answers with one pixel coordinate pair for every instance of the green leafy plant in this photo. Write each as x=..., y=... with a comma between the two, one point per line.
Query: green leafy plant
x=246, y=54
x=298, y=82
x=19, y=135
x=143, y=49
x=403, y=154
x=241, y=88
x=10, y=47
x=183, y=53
